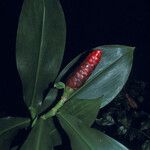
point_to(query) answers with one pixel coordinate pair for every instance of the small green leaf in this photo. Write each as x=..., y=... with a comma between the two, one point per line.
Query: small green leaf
x=84, y=109
x=8, y=129
x=40, y=47
x=85, y=138
x=41, y=137
x=59, y=85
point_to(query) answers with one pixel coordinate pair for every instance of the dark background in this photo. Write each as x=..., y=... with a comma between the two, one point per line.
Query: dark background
x=90, y=23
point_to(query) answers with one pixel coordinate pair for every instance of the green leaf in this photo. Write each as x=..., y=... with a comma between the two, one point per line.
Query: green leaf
x=8, y=129
x=109, y=76
x=84, y=109
x=41, y=136
x=85, y=138
x=40, y=47
x=59, y=85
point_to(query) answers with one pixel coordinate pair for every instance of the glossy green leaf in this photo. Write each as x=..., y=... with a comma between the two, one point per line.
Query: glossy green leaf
x=40, y=47
x=109, y=76
x=85, y=138
x=84, y=109
x=41, y=136
x=8, y=129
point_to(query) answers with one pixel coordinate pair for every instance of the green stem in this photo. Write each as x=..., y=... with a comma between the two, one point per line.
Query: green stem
x=67, y=92
x=55, y=109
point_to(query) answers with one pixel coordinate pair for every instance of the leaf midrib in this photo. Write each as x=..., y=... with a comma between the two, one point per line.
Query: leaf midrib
x=39, y=136
x=39, y=57
x=83, y=139
x=16, y=125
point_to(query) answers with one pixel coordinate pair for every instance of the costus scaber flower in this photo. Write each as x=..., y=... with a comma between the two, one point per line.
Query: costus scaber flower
x=84, y=70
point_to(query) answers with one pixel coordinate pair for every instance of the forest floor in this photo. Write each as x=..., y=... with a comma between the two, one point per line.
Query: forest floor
x=127, y=117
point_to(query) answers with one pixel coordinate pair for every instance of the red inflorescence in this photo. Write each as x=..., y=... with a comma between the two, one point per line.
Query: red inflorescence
x=82, y=73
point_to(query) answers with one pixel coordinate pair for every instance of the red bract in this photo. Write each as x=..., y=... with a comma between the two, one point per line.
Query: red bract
x=82, y=73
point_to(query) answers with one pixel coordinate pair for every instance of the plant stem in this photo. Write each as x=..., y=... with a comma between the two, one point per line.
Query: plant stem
x=67, y=92
x=55, y=109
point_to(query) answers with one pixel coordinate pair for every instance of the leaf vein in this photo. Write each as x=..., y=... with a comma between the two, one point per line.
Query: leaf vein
x=19, y=124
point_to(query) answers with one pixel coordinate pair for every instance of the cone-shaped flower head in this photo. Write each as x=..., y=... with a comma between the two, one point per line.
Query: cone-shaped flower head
x=84, y=70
